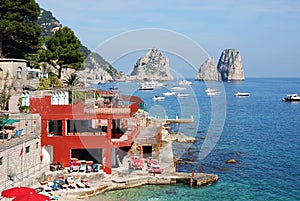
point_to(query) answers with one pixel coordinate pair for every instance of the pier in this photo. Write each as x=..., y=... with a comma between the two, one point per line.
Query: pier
x=177, y=120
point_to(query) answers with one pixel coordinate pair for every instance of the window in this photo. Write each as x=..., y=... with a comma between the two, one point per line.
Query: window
x=37, y=145
x=1, y=73
x=19, y=73
x=54, y=127
x=1, y=160
x=27, y=149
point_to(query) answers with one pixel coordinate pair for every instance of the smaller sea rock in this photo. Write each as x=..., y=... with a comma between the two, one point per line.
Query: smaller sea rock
x=223, y=169
x=202, y=137
x=190, y=159
x=231, y=161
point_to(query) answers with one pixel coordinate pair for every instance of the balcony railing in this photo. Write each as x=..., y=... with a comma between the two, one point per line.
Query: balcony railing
x=111, y=109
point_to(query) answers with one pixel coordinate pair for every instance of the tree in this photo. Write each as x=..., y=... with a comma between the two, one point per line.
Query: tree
x=19, y=31
x=71, y=80
x=63, y=50
x=50, y=83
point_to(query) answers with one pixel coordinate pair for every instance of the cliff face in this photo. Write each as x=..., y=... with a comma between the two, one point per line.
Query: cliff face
x=208, y=71
x=153, y=66
x=230, y=66
x=96, y=68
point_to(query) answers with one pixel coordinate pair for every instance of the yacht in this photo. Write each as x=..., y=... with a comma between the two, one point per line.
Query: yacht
x=146, y=87
x=241, y=94
x=291, y=97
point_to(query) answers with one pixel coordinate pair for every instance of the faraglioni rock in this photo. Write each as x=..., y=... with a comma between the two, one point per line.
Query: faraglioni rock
x=208, y=71
x=153, y=66
x=230, y=66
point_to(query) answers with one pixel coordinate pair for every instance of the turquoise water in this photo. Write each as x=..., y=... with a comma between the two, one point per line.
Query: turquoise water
x=261, y=132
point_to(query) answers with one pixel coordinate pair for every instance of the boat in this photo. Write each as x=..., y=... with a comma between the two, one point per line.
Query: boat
x=241, y=94
x=214, y=93
x=154, y=84
x=182, y=95
x=185, y=82
x=150, y=85
x=146, y=87
x=209, y=90
x=291, y=98
x=178, y=88
x=169, y=93
x=158, y=98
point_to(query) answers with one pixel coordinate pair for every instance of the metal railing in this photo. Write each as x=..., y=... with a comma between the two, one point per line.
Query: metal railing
x=26, y=177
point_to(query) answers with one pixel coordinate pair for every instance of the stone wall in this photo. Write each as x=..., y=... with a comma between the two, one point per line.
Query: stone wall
x=17, y=72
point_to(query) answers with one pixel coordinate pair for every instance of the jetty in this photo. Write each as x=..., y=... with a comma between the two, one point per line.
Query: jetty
x=177, y=120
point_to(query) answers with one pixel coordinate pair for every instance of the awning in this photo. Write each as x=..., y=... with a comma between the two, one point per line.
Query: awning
x=8, y=121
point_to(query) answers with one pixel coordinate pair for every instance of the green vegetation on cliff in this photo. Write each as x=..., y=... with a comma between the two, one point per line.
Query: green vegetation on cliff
x=19, y=31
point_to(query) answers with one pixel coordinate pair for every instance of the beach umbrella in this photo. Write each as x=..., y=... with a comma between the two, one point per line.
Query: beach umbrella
x=32, y=197
x=15, y=191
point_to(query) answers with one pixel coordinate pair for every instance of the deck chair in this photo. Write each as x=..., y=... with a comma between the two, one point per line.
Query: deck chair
x=96, y=167
x=17, y=134
x=82, y=167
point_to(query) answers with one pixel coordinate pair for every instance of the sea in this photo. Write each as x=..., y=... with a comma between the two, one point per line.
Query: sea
x=259, y=131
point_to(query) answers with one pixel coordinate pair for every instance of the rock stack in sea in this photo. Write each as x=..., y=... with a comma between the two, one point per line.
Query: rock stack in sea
x=208, y=71
x=153, y=66
x=229, y=68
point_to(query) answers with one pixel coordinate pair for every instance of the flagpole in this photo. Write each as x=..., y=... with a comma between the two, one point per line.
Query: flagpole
x=21, y=154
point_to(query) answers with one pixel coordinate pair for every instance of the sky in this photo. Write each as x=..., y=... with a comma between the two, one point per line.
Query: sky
x=266, y=33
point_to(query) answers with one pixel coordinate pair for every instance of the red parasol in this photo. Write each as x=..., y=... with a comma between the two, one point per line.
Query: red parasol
x=32, y=197
x=16, y=191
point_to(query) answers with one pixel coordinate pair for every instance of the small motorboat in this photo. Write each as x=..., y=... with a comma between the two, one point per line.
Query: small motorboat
x=178, y=88
x=214, y=93
x=241, y=94
x=291, y=98
x=158, y=98
x=169, y=93
x=182, y=95
x=185, y=82
x=210, y=90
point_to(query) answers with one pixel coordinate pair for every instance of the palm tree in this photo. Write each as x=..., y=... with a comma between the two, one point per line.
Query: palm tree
x=71, y=80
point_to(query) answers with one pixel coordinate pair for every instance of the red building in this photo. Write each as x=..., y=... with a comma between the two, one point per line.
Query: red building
x=98, y=126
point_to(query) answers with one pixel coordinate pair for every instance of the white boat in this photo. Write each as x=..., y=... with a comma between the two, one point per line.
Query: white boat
x=178, y=88
x=185, y=82
x=158, y=98
x=154, y=84
x=210, y=90
x=291, y=98
x=214, y=93
x=241, y=94
x=146, y=87
x=169, y=93
x=182, y=95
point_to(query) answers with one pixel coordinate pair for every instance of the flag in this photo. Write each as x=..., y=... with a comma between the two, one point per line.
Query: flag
x=22, y=150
